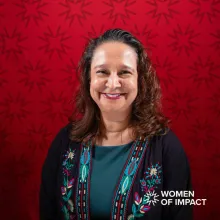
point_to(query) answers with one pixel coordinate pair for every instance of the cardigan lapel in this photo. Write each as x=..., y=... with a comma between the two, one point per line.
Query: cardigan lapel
x=81, y=208
x=82, y=197
x=126, y=180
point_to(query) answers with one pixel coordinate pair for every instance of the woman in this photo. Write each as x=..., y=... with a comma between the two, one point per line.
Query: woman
x=117, y=153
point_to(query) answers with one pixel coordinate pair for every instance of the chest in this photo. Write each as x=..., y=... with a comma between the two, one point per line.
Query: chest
x=132, y=195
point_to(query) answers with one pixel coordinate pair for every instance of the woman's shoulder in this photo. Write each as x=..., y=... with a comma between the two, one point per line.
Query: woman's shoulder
x=170, y=147
x=60, y=140
x=65, y=130
x=168, y=141
x=63, y=133
x=172, y=144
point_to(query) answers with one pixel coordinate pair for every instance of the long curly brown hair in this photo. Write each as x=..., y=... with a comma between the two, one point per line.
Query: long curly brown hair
x=146, y=119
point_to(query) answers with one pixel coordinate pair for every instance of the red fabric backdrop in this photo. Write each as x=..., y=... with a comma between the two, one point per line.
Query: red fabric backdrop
x=40, y=44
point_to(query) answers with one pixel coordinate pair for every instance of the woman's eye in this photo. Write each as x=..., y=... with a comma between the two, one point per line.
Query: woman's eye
x=101, y=71
x=122, y=72
x=125, y=72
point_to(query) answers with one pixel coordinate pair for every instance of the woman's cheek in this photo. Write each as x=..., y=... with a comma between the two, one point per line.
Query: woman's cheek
x=130, y=84
x=99, y=85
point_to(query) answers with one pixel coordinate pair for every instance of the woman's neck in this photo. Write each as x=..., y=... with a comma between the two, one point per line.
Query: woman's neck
x=117, y=131
x=115, y=138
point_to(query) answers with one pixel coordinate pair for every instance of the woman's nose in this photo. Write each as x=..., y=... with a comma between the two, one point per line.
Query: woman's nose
x=113, y=81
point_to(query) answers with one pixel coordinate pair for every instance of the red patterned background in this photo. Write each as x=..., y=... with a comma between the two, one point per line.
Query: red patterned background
x=41, y=42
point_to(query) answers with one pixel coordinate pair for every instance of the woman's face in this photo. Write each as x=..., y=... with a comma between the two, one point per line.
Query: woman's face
x=114, y=72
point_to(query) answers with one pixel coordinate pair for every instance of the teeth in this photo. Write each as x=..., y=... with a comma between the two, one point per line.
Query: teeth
x=112, y=95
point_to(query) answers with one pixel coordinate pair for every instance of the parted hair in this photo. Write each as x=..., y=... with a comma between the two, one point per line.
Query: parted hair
x=146, y=117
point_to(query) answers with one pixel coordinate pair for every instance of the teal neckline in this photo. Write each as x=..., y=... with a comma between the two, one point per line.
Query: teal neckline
x=114, y=146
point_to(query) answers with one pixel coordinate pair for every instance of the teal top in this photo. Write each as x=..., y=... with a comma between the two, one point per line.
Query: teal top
x=107, y=164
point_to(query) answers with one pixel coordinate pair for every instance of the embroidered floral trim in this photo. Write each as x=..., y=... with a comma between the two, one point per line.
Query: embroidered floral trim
x=82, y=193
x=149, y=183
x=139, y=207
x=127, y=178
x=66, y=188
x=128, y=175
x=84, y=165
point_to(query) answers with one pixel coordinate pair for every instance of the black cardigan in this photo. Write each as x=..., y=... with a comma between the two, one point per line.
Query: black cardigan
x=150, y=168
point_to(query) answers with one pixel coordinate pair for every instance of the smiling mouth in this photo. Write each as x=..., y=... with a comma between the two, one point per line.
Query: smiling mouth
x=113, y=95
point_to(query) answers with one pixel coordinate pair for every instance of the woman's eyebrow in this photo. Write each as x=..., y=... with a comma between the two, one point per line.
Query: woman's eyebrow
x=122, y=66
x=100, y=66
x=128, y=67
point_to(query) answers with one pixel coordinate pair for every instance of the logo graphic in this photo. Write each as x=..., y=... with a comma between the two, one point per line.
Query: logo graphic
x=151, y=197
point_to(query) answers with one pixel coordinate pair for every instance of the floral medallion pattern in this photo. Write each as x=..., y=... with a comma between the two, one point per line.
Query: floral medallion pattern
x=67, y=187
x=141, y=205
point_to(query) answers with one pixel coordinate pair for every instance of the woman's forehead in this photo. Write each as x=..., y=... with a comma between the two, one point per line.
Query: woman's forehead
x=113, y=51
x=114, y=48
